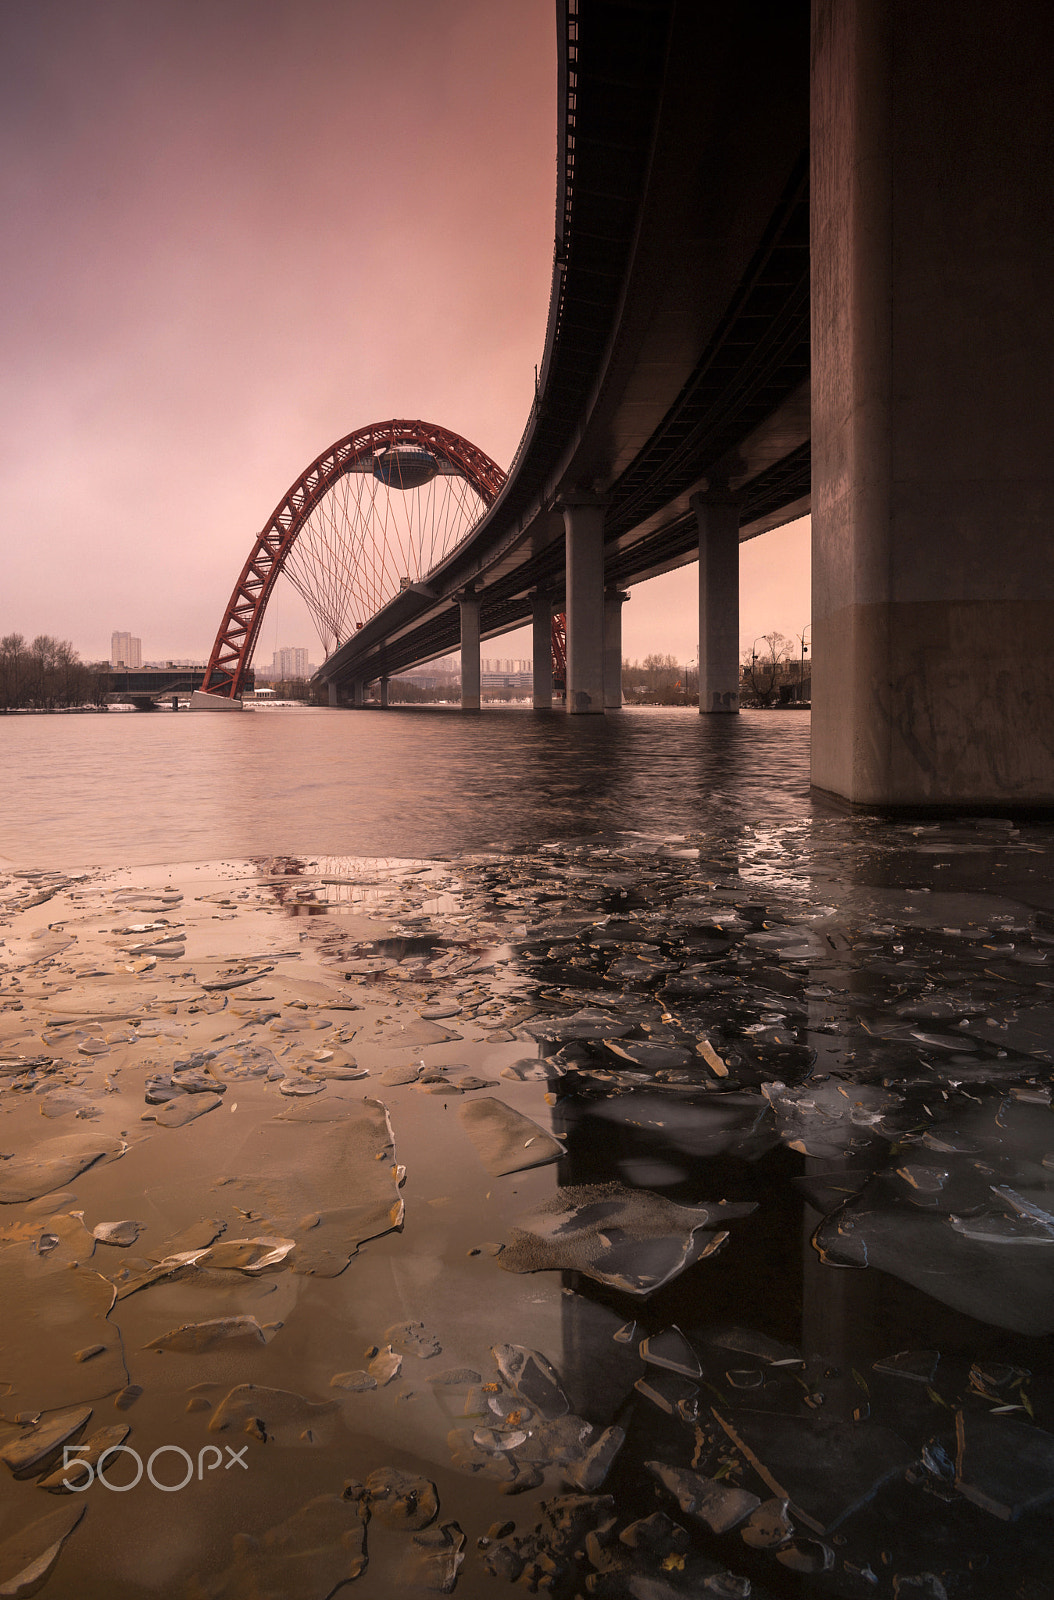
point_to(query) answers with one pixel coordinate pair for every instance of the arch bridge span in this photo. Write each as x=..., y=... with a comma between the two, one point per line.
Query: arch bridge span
x=399, y=454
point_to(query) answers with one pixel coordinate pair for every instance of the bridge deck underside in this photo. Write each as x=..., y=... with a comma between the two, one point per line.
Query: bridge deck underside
x=677, y=351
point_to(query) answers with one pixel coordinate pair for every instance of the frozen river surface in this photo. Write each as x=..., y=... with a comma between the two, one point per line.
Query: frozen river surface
x=621, y=1177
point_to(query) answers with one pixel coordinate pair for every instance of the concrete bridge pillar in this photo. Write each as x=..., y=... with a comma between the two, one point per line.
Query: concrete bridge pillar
x=584, y=559
x=384, y=693
x=333, y=693
x=614, y=600
x=542, y=650
x=717, y=518
x=468, y=603
x=357, y=695
x=932, y=350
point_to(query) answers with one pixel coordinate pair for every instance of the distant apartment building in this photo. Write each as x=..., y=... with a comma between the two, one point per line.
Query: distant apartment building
x=125, y=651
x=506, y=674
x=509, y=666
x=291, y=662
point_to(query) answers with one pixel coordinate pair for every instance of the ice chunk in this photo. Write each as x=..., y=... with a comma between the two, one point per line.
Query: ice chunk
x=720, y=1505
x=27, y=1557
x=671, y=1349
x=826, y=1469
x=52, y=1163
x=401, y=1500
x=531, y=1376
x=629, y=1238
x=194, y=1337
x=505, y=1140
x=1002, y=1465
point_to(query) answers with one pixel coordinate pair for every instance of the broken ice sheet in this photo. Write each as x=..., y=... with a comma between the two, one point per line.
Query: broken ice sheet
x=827, y=1469
x=670, y=1349
x=830, y=1118
x=505, y=1140
x=401, y=1500
x=49, y=1307
x=193, y=1337
x=29, y=1450
x=532, y=1377
x=331, y=1160
x=434, y=1558
x=276, y=1415
x=52, y=1163
x=630, y=1239
x=720, y=1505
x=317, y=1550
x=1003, y=1465
x=970, y=1267
x=28, y=1557
x=727, y=1124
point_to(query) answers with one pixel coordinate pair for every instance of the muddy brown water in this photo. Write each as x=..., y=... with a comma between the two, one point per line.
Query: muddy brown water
x=799, y=1067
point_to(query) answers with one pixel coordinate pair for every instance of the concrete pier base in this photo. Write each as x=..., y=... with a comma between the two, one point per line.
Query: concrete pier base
x=384, y=693
x=932, y=349
x=542, y=651
x=200, y=701
x=717, y=518
x=468, y=605
x=332, y=694
x=584, y=559
x=614, y=600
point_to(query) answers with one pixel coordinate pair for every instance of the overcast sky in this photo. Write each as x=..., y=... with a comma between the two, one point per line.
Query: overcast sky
x=235, y=230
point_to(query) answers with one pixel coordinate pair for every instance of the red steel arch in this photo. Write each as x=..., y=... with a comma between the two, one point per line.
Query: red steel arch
x=238, y=632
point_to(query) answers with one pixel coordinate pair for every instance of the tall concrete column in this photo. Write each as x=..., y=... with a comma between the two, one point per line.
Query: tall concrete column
x=584, y=559
x=384, y=692
x=542, y=650
x=717, y=518
x=614, y=600
x=333, y=693
x=469, y=607
x=933, y=412
x=357, y=693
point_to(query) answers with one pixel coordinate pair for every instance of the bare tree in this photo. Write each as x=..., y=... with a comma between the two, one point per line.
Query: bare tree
x=762, y=673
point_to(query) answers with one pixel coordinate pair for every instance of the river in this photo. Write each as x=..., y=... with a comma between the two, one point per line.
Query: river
x=139, y=788
x=556, y=1150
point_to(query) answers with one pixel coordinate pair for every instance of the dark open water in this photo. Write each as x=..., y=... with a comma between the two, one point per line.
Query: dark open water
x=139, y=788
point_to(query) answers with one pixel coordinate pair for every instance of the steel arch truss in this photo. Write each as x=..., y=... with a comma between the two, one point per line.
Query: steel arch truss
x=239, y=630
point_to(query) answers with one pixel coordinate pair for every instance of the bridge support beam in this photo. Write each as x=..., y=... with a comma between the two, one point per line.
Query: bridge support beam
x=357, y=694
x=932, y=349
x=717, y=518
x=584, y=559
x=542, y=650
x=614, y=600
x=333, y=693
x=468, y=604
x=384, y=693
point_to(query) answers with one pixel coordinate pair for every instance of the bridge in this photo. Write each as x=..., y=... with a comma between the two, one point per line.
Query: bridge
x=800, y=264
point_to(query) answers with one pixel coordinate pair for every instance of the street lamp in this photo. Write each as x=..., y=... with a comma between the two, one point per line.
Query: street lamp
x=801, y=673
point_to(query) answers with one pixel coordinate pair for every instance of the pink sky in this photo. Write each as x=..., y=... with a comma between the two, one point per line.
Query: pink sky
x=234, y=230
